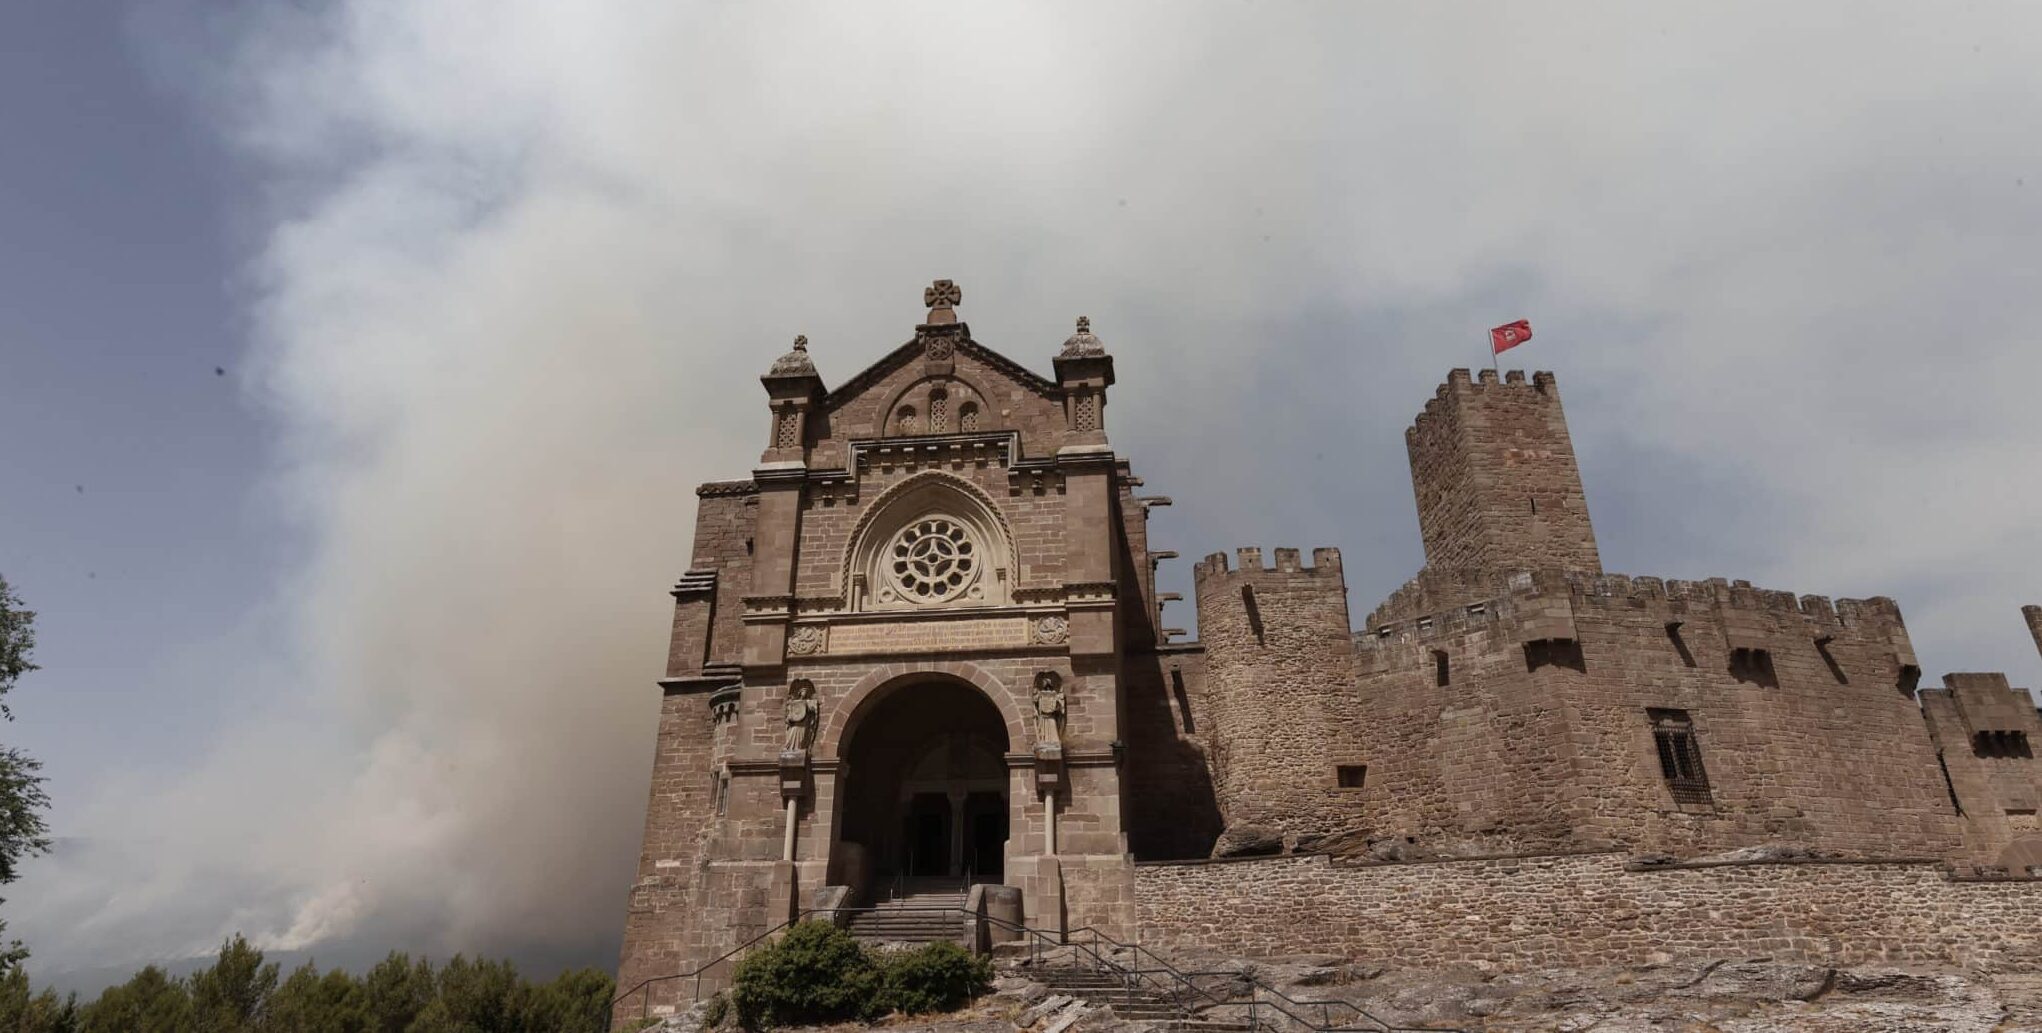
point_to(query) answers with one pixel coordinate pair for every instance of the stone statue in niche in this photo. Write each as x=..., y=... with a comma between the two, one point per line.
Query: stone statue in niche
x=801, y=714
x=1049, y=708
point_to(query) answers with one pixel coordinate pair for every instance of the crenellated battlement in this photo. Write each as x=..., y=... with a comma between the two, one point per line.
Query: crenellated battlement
x=1532, y=595
x=1461, y=385
x=1325, y=562
x=1495, y=478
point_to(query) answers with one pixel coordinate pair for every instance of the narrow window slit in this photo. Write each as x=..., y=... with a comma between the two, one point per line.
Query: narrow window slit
x=1679, y=644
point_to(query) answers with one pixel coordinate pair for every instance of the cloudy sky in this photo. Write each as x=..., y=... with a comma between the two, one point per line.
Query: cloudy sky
x=358, y=359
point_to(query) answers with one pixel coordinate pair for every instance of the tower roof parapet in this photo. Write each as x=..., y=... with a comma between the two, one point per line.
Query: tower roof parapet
x=1324, y=561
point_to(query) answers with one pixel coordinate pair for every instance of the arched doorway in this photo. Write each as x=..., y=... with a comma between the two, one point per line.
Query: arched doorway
x=925, y=789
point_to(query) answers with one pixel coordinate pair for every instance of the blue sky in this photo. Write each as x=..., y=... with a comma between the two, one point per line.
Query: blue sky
x=349, y=646
x=131, y=515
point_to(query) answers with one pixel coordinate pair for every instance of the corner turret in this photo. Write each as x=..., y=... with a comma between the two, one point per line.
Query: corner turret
x=1279, y=674
x=793, y=388
x=1085, y=371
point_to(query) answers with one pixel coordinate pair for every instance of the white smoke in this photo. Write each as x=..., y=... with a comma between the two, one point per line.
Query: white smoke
x=525, y=259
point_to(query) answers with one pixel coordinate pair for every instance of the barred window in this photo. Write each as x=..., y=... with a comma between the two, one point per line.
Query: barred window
x=967, y=417
x=939, y=411
x=1680, y=756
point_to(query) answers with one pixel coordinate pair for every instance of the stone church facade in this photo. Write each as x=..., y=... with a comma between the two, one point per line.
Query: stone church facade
x=922, y=641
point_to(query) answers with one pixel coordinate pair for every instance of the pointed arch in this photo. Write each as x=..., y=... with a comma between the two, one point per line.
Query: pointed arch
x=931, y=502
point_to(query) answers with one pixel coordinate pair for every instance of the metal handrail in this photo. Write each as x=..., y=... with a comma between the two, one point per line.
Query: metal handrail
x=1184, y=979
x=1130, y=977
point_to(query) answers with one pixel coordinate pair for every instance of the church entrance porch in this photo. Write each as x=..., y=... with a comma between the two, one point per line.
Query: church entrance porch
x=925, y=791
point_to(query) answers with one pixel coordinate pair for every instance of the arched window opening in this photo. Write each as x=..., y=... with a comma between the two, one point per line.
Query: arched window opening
x=967, y=417
x=933, y=541
x=939, y=411
x=904, y=420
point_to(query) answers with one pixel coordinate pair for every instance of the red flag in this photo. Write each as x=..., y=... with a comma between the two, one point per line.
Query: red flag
x=1509, y=336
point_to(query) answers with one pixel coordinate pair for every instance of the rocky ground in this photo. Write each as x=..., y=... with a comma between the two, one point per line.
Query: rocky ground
x=1742, y=996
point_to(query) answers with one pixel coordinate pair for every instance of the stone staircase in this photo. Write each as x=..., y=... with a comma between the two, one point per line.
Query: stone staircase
x=913, y=916
x=1098, y=987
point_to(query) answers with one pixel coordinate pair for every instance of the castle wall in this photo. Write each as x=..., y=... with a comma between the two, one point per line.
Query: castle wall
x=1481, y=765
x=1172, y=809
x=1495, y=477
x=1589, y=910
x=1828, y=752
x=1997, y=782
x=1278, y=660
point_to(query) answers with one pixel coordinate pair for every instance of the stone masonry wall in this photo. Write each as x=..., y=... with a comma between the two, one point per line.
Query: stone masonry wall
x=1278, y=659
x=1172, y=812
x=2000, y=794
x=723, y=543
x=1588, y=910
x=1830, y=752
x=660, y=932
x=1495, y=477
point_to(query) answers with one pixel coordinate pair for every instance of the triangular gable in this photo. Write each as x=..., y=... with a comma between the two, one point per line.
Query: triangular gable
x=912, y=351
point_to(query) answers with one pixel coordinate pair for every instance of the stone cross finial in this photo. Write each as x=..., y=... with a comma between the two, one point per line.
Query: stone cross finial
x=940, y=296
x=1084, y=324
x=801, y=342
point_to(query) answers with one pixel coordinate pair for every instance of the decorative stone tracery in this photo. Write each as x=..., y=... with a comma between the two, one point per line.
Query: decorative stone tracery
x=932, y=540
x=932, y=560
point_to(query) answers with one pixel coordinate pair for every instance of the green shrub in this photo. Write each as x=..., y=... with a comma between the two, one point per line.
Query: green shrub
x=815, y=973
x=933, y=977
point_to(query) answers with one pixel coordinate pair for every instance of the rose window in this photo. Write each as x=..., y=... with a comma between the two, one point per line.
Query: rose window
x=932, y=560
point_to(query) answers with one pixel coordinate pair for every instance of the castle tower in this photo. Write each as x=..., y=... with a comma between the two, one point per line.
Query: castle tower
x=1493, y=469
x=1279, y=667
